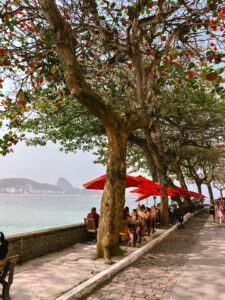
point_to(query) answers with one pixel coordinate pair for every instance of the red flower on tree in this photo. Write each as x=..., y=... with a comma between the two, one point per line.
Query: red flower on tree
x=190, y=74
x=210, y=77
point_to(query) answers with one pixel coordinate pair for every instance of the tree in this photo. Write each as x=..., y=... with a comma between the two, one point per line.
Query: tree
x=173, y=113
x=67, y=48
x=202, y=164
x=176, y=128
x=217, y=175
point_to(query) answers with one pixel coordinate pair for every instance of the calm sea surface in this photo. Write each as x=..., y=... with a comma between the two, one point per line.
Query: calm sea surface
x=24, y=213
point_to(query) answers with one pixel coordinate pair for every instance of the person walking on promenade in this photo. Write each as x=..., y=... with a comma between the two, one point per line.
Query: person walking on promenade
x=212, y=212
x=219, y=212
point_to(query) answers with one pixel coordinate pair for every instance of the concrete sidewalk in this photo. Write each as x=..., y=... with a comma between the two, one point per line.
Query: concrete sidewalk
x=52, y=275
x=203, y=276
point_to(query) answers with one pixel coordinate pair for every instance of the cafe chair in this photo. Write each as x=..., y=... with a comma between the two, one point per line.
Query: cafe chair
x=91, y=229
x=125, y=234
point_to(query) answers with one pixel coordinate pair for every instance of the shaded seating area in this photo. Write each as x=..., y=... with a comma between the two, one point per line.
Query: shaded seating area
x=136, y=232
x=144, y=220
x=136, y=226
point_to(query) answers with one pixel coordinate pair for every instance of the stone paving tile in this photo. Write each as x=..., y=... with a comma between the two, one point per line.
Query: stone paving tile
x=154, y=275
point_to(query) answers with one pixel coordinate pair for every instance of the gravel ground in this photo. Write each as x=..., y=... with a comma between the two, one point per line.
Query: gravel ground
x=154, y=275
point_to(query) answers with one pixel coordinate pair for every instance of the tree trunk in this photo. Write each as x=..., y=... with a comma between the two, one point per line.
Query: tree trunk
x=210, y=193
x=164, y=209
x=113, y=198
x=161, y=175
x=199, y=186
x=180, y=177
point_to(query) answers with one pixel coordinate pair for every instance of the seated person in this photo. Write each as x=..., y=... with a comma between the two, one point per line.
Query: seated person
x=148, y=212
x=132, y=219
x=127, y=218
x=153, y=211
x=3, y=250
x=134, y=215
x=141, y=212
x=148, y=222
x=142, y=217
x=94, y=215
x=126, y=208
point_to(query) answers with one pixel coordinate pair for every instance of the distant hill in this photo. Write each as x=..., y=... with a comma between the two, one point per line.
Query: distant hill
x=28, y=186
x=64, y=184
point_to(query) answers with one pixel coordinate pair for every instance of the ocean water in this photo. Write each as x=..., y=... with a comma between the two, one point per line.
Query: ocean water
x=24, y=213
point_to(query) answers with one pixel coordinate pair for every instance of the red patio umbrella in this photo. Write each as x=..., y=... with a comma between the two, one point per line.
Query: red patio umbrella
x=149, y=183
x=150, y=191
x=147, y=190
x=183, y=195
x=221, y=198
x=96, y=184
x=172, y=191
x=196, y=195
x=181, y=189
x=141, y=197
x=99, y=183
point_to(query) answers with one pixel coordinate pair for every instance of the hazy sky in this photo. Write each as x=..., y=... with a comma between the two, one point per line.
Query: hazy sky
x=47, y=164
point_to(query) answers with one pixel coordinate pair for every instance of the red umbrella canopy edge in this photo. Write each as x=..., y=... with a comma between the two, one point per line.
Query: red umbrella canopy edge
x=172, y=191
x=196, y=195
x=147, y=190
x=132, y=181
x=99, y=183
x=96, y=184
x=141, y=197
x=221, y=198
x=181, y=189
x=149, y=183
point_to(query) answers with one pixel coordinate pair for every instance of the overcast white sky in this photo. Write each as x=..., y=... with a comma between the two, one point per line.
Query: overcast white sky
x=47, y=164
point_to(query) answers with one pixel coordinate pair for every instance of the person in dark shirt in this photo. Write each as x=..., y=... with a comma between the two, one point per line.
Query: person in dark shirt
x=212, y=212
x=94, y=215
x=3, y=246
x=180, y=217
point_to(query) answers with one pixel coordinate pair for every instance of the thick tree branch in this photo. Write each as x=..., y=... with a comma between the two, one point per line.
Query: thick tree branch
x=65, y=45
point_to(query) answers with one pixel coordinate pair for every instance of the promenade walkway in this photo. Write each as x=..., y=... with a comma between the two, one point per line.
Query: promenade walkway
x=203, y=276
x=48, y=277
x=189, y=265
